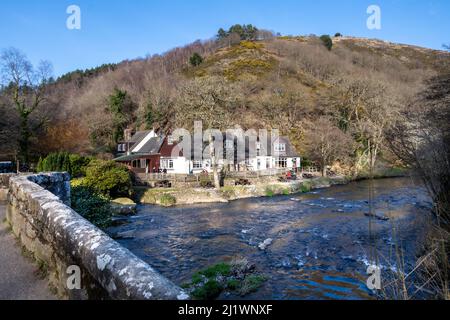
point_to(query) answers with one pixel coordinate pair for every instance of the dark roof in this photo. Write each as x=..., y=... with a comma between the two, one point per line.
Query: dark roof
x=128, y=158
x=153, y=146
x=138, y=137
x=289, y=152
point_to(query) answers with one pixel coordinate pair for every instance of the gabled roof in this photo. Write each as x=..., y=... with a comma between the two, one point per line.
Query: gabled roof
x=138, y=136
x=289, y=152
x=144, y=143
x=152, y=146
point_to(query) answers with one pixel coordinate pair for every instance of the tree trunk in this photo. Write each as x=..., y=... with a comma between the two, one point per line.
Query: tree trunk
x=24, y=138
x=324, y=171
x=324, y=167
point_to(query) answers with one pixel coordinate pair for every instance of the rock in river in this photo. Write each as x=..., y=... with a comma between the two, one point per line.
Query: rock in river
x=123, y=206
x=263, y=245
x=378, y=215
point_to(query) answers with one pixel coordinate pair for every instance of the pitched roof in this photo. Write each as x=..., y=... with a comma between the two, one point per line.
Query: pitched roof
x=152, y=146
x=289, y=152
x=139, y=136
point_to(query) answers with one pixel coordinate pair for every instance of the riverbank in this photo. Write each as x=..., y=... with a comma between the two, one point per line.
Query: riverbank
x=189, y=196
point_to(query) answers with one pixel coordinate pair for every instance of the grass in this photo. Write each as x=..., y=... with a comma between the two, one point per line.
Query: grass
x=167, y=200
x=42, y=270
x=251, y=284
x=257, y=67
x=228, y=192
x=270, y=192
x=221, y=269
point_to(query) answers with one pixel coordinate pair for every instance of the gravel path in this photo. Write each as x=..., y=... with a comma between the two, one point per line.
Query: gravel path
x=18, y=274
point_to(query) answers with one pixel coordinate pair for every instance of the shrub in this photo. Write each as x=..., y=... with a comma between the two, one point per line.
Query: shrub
x=221, y=269
x=327, y=41
x=168, y=200
x=78, y=165
x=74, y=164
x=91, y=206
x=270, y=192
x=238, y=277
x=305, y=187
x=209, y=291
x=55, y=162
x=205, y=182
x=109, y=179
x=196, y=60
x=338, y=35
x=251, y=284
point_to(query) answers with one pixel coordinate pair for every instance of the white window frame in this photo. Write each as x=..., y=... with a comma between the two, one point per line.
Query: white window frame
x=281, y=162
x=280, y=147
x=167, y=164
x=197, y=164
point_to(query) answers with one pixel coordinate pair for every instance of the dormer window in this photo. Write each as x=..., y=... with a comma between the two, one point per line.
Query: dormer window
x=280, y=147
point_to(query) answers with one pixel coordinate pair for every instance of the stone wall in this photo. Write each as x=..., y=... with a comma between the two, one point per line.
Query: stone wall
x=59, y=238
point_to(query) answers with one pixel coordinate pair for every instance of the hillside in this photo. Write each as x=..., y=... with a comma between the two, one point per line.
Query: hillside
x=284, y=82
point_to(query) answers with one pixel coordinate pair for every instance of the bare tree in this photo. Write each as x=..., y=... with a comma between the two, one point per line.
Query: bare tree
x=421, y=138
x=25, y=89
x=212, y=101
x=325, y=143
x=365, y=109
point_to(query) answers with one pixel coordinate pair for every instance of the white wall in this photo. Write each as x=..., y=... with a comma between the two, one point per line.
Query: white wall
x=183, y=166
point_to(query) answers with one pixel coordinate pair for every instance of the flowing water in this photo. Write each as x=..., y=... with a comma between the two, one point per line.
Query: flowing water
x=321, y=245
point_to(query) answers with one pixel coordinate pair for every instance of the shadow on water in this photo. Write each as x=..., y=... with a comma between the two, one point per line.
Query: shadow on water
x=321, y=243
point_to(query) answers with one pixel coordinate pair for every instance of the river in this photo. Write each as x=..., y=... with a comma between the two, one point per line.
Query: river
x=322, y=242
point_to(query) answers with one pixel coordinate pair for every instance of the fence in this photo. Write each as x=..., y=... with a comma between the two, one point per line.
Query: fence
x=196, y=178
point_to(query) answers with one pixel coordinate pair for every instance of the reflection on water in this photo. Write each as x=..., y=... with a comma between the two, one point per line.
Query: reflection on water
x=321, y=241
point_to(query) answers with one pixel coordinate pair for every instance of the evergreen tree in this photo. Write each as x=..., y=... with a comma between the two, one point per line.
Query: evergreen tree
x=196, y=59
x=327, y=41
x=121, y=107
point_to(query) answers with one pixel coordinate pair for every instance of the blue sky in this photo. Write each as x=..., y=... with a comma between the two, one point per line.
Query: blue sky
x=114, y=30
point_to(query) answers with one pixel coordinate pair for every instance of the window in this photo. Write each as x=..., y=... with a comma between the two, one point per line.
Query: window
x=121, y=147
x=167, y=164
x=280, y=147
x=281, y=162
x=197, y=164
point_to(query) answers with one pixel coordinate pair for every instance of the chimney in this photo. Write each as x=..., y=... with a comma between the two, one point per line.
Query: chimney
x=127, y=133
